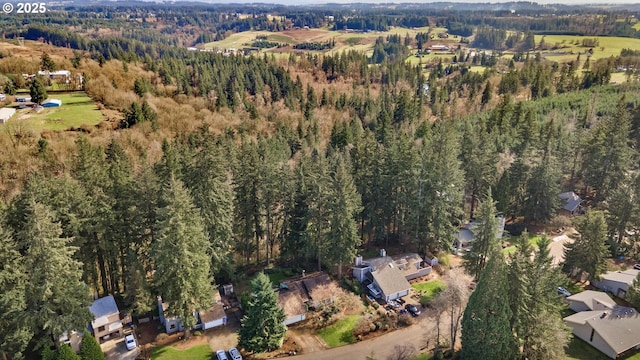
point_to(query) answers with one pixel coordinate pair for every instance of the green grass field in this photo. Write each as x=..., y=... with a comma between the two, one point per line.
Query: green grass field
x=533, y=240
x=340, y=333
x=200, y=352
x=77, y=109
x=608, y=45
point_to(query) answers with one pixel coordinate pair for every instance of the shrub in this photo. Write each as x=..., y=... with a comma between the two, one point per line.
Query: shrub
x=363, y=327
x=197, y=333
x=405, y=320
x=161, y=337
x=444, y=260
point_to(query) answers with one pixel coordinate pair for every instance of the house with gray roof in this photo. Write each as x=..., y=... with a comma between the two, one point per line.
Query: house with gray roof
x=613, y=331
x=466, y=235
x=571, y=202
x=617, y=282
x=589, y=300
x=387, y=277
x=106, y=319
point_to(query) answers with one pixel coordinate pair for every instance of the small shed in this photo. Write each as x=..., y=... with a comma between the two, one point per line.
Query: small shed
x=52, y=103
x=6, y=114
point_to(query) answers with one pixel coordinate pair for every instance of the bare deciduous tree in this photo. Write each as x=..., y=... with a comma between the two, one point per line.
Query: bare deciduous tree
x=402, y=352
x=452, y=301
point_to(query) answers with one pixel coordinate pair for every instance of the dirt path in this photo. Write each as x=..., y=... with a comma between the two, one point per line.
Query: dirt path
x=307, y=339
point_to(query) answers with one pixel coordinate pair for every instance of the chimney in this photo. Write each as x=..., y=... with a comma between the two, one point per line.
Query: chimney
x=359, y=260
x=383, y=252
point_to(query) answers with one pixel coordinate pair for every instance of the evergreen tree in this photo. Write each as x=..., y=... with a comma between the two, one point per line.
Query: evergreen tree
x=485, y=241
x=633, y=293
x=47, y=63
x=486, y=330
x=487, y=94
x=65, y=352
x=182, y=266
x=262, y=326
x=89, y=348
x=345, y=204
x=37, y=91
x=15, y=334
x=589, y=253
x=542, y=201
x=56, y=298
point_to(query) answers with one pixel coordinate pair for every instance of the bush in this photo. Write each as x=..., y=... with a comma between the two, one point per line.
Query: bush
x=197, y=333
x=405, y=320
x=161, y=337
x=363, y=327
x=444, y=260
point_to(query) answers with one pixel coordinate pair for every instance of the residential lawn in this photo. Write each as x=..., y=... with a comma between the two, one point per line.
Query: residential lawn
x=578, y=349
x=533, y=239
x=200, y=352
x=77, y=109
x=429, y=288
x=340, y=333
x=276, y=275
x=423, y=356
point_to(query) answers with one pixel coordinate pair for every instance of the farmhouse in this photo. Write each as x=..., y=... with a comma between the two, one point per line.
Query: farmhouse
x=387, y=277
x=6, y=114
x=617, y=282
x=571, y=202
x=106, y=323
x=296, y=295
x=610, y=328
x=439, y=48
x=466, y=235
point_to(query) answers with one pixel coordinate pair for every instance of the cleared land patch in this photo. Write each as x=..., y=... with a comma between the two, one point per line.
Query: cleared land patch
x=77, y=109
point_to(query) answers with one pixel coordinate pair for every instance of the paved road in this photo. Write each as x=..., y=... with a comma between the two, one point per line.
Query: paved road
x=417, y=335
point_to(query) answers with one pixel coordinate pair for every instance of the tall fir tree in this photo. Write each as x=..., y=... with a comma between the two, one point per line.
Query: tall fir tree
x=589, y=252
x=345, y=203
x=262, y=327
x=182, y=266
x=89, y=348
x=486, y=328
x=15, y=334
x=485, y=241
x=57, y=300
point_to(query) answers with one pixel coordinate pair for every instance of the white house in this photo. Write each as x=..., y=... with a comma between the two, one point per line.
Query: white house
x=617, y=282
x=613, y=331
x=206, y=319
x=387, y=277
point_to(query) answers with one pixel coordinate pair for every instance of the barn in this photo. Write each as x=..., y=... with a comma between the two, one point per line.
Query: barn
x=52, y=103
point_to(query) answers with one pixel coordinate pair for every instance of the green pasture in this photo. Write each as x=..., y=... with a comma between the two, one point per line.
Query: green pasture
x=608, y=45
x=77, y=109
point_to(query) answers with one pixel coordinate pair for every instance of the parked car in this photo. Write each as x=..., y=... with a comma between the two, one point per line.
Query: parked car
x=394, y=303
x=400, y=301
x=562, y=291
x=221, y=355
x=130, y=341
x=235, y=354
x=636, y=266
x=412, y=309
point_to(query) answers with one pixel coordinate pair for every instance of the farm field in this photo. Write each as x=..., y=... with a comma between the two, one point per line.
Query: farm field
x=608, y=45
x=77, y=109
x=359, y=41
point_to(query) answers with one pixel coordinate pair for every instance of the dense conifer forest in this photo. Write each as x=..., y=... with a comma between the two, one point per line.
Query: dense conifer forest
x=241, y=162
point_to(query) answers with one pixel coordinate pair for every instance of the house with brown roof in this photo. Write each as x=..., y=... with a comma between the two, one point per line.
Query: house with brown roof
x=612, y=330
x=299, y=294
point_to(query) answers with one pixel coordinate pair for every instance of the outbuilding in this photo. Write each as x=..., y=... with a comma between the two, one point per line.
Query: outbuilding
x=6, y=114
x=52, y=103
